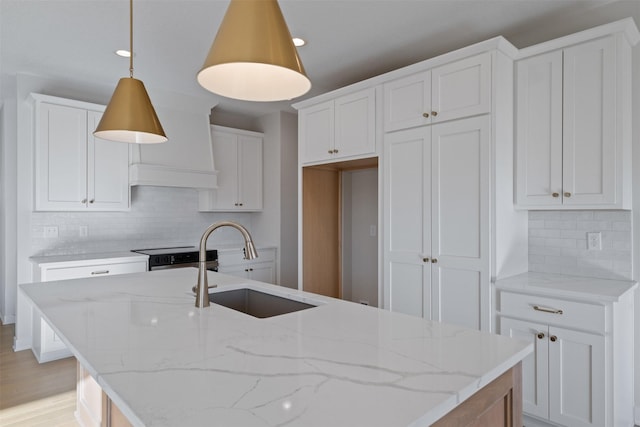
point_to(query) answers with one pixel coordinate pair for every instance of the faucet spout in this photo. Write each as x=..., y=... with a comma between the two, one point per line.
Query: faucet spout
x=202, y=287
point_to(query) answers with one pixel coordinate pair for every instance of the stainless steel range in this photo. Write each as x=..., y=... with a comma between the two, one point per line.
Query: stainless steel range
x=177, y=257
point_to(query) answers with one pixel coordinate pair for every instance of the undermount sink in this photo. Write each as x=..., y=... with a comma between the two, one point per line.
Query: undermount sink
x=256, y=303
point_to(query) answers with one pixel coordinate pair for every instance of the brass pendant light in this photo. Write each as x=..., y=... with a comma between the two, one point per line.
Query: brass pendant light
x=253, y=57
x=129, y=116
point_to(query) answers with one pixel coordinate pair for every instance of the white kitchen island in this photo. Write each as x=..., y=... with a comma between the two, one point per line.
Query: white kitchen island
x=163, y=362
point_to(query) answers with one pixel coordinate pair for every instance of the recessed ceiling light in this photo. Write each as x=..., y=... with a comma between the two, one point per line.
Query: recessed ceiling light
x=299, y=42
x=123, y=53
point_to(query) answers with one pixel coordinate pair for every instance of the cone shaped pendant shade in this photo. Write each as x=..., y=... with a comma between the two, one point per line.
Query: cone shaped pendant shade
x=253, y=57
x=130, y=116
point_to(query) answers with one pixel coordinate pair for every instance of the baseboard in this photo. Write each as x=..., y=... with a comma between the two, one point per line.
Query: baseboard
x=9, y=319
x=21, y=344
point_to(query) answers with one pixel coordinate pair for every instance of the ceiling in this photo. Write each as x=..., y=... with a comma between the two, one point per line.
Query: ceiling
x=348, y=40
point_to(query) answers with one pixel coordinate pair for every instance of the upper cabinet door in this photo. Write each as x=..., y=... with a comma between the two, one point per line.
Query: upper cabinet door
x=107, y=171
x=407, y=102
x=61, y=158
x=539, y=130
x=250, y=172
x=461, y=88
x=355, y=117
x=317, y=132
x=589, y=136
x=225, y=155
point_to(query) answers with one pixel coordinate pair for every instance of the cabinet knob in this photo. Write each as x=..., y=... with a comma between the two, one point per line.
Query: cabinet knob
x=240, y=204
x=425, y=259
x=555, y=194
x=553, y=338
x=434, y=113
x=540, y=335
x=330, y=151
x=433, y=260
x=425, y=115
x=567, y=194
x=83, y=201
x=335, y=151
x=92, y=200
x=251, y=269
x=246, y=269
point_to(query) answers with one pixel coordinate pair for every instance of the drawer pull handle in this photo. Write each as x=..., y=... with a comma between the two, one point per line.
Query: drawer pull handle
x=93, y=273
x=547, y=310
x=540, y=335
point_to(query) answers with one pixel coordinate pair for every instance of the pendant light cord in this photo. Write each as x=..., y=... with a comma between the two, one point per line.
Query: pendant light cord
x=131, y=38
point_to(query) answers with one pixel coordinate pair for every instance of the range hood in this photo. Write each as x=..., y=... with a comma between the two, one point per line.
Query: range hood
x=186, y=160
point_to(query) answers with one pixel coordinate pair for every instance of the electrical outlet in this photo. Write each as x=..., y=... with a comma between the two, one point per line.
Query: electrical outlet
x=51, y=231
x=84, y=231
x=594, y=241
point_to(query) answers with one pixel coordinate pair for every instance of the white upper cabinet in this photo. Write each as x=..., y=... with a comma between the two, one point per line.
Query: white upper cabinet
x=74, y=170
x=238, y=158
x=451, y=91
x=573, y=124
x=343, y=128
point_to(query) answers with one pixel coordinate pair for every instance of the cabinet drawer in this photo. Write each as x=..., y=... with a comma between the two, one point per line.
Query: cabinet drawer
x=541, y=309
x=235, y=257
x=93, y=270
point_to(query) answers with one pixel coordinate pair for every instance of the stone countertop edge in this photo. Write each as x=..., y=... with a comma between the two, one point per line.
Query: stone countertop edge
x=403, y=346
x=587, y=289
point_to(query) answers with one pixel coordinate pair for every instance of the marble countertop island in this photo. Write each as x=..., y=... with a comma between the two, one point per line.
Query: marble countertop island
x=164, y=362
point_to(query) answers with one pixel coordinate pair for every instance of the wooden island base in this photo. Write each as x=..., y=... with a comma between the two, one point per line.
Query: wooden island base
x=498, y=404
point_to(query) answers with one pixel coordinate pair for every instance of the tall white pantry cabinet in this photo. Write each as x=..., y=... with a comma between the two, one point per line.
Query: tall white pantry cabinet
x=449, y=222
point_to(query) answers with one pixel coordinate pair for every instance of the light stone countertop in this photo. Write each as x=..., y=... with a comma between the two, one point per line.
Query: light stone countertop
x=564, y=286
x=164, y=362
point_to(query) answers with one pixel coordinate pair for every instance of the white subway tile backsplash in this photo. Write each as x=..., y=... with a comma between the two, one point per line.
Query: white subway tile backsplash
x=558, y=243
x=159, y=217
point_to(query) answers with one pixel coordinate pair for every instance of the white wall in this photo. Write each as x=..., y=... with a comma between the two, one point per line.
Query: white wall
x=289, y=200
x=359, y=246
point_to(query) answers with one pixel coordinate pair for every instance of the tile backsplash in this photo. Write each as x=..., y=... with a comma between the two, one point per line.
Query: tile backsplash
x=558, y=243
x=159, y=217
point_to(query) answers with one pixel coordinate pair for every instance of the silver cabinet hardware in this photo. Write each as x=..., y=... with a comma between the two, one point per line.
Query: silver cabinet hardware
x=433, y=260
x=555, y=194
x=547, y=309
x=95, y=273
x=434, y=113
x=540, y=335
x=425, y=115
x=567, y=194
x=553, y=338
x=425, y=259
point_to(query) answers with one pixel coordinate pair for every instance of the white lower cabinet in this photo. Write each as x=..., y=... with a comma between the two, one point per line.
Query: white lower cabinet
x=46, y=345
x=576, y=374
x=262, y=269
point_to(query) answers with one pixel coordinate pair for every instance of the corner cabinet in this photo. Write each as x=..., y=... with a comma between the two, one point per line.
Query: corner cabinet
x=459, y=89
x=583, y=348
x=75, y=171
x=262, y=269
x=238, y=158
x=573, y=123
x=339, y=129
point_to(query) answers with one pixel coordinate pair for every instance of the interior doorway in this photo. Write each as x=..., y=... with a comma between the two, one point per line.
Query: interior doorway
x=340, y=230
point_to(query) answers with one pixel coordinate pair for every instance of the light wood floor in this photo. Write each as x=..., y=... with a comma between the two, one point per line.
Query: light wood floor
x=33, y=394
